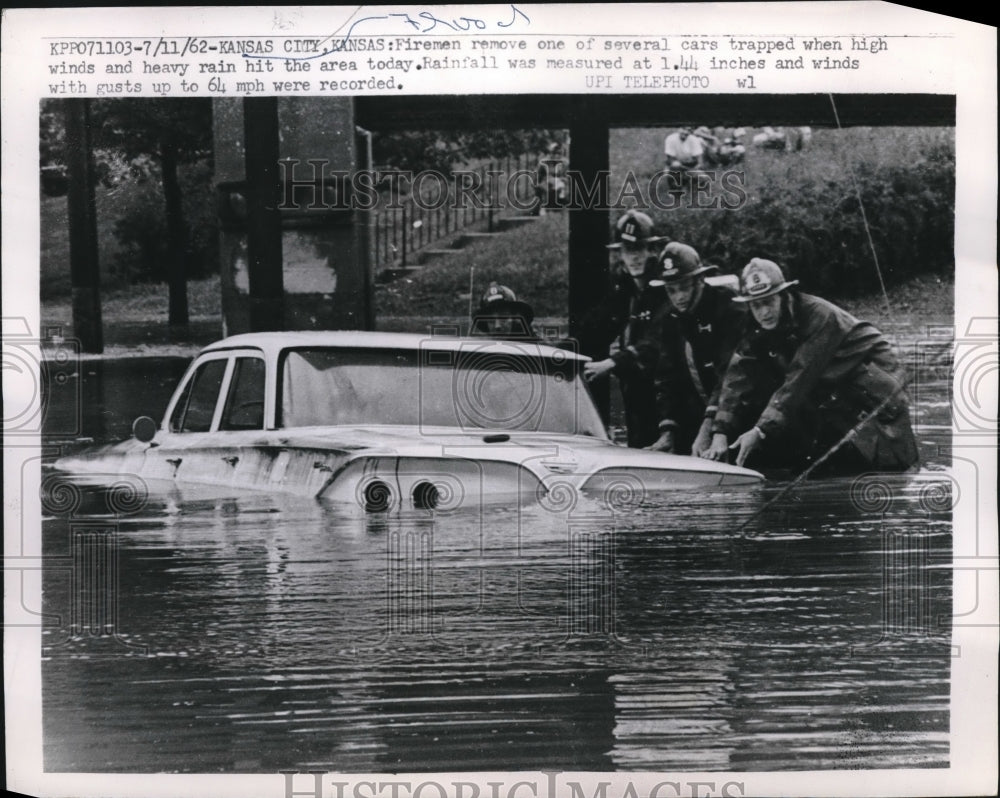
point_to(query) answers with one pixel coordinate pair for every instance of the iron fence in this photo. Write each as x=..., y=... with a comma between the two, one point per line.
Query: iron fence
x=473, y=198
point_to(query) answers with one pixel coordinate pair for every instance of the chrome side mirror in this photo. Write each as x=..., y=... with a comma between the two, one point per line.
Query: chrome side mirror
x=144, y=429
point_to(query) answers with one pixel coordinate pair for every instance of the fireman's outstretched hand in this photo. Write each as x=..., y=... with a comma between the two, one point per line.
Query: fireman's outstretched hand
x=665, y=443
x=703, y=440
x=599, y=368
x=718, y=450
x=746, y=443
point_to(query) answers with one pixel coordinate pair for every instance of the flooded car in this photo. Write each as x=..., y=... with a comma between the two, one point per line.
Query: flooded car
x=386, y=421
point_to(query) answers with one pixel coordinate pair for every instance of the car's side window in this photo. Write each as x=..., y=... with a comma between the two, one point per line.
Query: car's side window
x=245, y=402
x=196, y=406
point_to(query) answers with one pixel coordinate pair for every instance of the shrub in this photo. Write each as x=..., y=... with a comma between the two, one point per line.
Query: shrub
x=141, y=231
x=442, y=151
x=803, y=209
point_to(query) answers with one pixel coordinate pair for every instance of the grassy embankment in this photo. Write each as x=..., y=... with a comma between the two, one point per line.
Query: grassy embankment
x=131, y=313
x=801, y=208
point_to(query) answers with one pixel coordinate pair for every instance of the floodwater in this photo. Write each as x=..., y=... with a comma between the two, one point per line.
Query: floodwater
x=253, y=633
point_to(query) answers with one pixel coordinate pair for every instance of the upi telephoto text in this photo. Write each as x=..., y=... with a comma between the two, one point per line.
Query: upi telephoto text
x=432, y=190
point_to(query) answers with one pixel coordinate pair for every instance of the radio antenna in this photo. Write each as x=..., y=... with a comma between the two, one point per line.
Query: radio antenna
x=472, y=271
x=864, y=216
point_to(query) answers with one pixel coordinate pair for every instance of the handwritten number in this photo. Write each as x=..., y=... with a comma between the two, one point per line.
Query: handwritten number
x=408, y=20
x=358, y=22
x=514, y=15
x=430, y=23
x=430, y=18
x=461, y=24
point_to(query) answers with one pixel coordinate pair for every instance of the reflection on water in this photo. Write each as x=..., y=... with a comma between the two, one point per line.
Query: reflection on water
x=255, y=632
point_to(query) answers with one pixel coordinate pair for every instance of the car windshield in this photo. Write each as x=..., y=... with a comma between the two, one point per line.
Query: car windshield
x=477, y=388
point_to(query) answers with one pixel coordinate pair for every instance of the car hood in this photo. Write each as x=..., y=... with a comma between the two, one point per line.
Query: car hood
x=541, y=452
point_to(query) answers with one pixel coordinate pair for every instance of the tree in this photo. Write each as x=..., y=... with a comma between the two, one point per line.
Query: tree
x=441, y=151
x=174, y=132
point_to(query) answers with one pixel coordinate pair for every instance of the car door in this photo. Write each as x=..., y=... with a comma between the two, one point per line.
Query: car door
x=220, y=406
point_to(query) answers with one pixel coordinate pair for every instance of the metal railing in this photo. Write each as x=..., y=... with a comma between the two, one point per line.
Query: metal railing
x=476, y=197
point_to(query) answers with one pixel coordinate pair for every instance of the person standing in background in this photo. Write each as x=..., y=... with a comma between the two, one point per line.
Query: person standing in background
x=551, y=188
x=683, y=152
x=710, y=144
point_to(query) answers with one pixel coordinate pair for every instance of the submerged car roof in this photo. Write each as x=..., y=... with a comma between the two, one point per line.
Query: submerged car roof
x=274, y=342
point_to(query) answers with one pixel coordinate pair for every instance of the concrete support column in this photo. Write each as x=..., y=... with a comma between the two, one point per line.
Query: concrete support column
x=588, y=235
x=314, y=274
x=263, y=232
x=85, y=273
